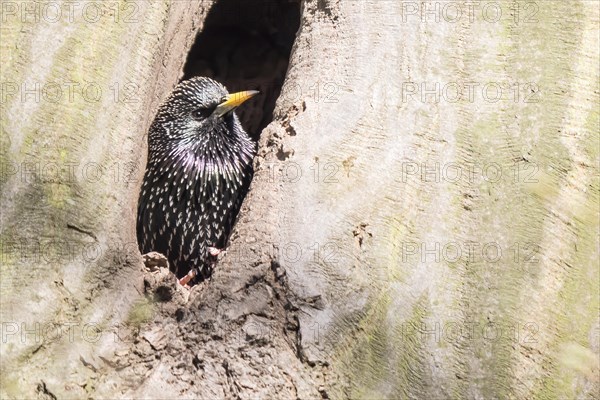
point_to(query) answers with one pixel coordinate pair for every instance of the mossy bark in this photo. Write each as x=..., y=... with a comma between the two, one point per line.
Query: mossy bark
x=80, y=84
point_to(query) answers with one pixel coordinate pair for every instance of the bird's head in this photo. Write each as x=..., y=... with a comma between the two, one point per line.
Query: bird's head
x=199, y=110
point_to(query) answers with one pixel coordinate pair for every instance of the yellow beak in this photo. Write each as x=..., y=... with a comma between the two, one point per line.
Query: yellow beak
x=233, y=101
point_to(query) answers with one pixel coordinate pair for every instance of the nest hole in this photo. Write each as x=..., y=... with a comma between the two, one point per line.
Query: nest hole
x=246, y=45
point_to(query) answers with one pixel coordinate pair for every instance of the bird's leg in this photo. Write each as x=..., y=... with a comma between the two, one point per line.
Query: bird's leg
x=190, y=275
x=213, y=251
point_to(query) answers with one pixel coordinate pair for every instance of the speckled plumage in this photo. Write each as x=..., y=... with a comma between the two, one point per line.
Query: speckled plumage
x=199, y=168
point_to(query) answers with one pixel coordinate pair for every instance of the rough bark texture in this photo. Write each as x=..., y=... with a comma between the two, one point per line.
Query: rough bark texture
x=395, y=243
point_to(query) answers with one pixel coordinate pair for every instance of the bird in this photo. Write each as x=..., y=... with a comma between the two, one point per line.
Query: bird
x=198, y=171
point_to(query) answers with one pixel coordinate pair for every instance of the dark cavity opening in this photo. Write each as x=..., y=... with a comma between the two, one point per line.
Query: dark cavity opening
x=246, y=45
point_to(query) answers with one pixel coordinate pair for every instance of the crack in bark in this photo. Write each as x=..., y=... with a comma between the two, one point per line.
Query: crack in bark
x=44, y=392
x=230, y=379
x=82, y=231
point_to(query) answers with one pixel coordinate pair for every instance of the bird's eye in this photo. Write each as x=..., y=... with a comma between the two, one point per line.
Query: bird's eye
x=202, y=113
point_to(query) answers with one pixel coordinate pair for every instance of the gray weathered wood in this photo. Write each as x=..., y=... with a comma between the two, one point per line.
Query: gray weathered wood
x=342, y=278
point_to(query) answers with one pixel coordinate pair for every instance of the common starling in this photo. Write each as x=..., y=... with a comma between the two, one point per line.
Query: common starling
x=199, y=169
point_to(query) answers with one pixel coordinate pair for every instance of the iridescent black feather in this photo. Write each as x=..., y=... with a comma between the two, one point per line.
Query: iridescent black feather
x=199, y=169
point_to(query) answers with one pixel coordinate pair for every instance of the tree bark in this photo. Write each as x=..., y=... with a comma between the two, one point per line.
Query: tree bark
x=409, y=233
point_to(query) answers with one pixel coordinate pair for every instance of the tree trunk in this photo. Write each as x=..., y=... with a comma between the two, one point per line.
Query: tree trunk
x=423, y=221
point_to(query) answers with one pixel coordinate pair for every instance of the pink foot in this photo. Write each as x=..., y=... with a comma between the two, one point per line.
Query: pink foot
x=190, y=275
x=213, y=251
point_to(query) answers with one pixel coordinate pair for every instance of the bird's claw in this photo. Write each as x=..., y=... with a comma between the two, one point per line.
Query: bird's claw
x=213, y=251
x=186, y=279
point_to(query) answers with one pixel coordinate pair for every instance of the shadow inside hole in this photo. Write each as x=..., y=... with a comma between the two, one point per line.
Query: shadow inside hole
x=246, y=45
